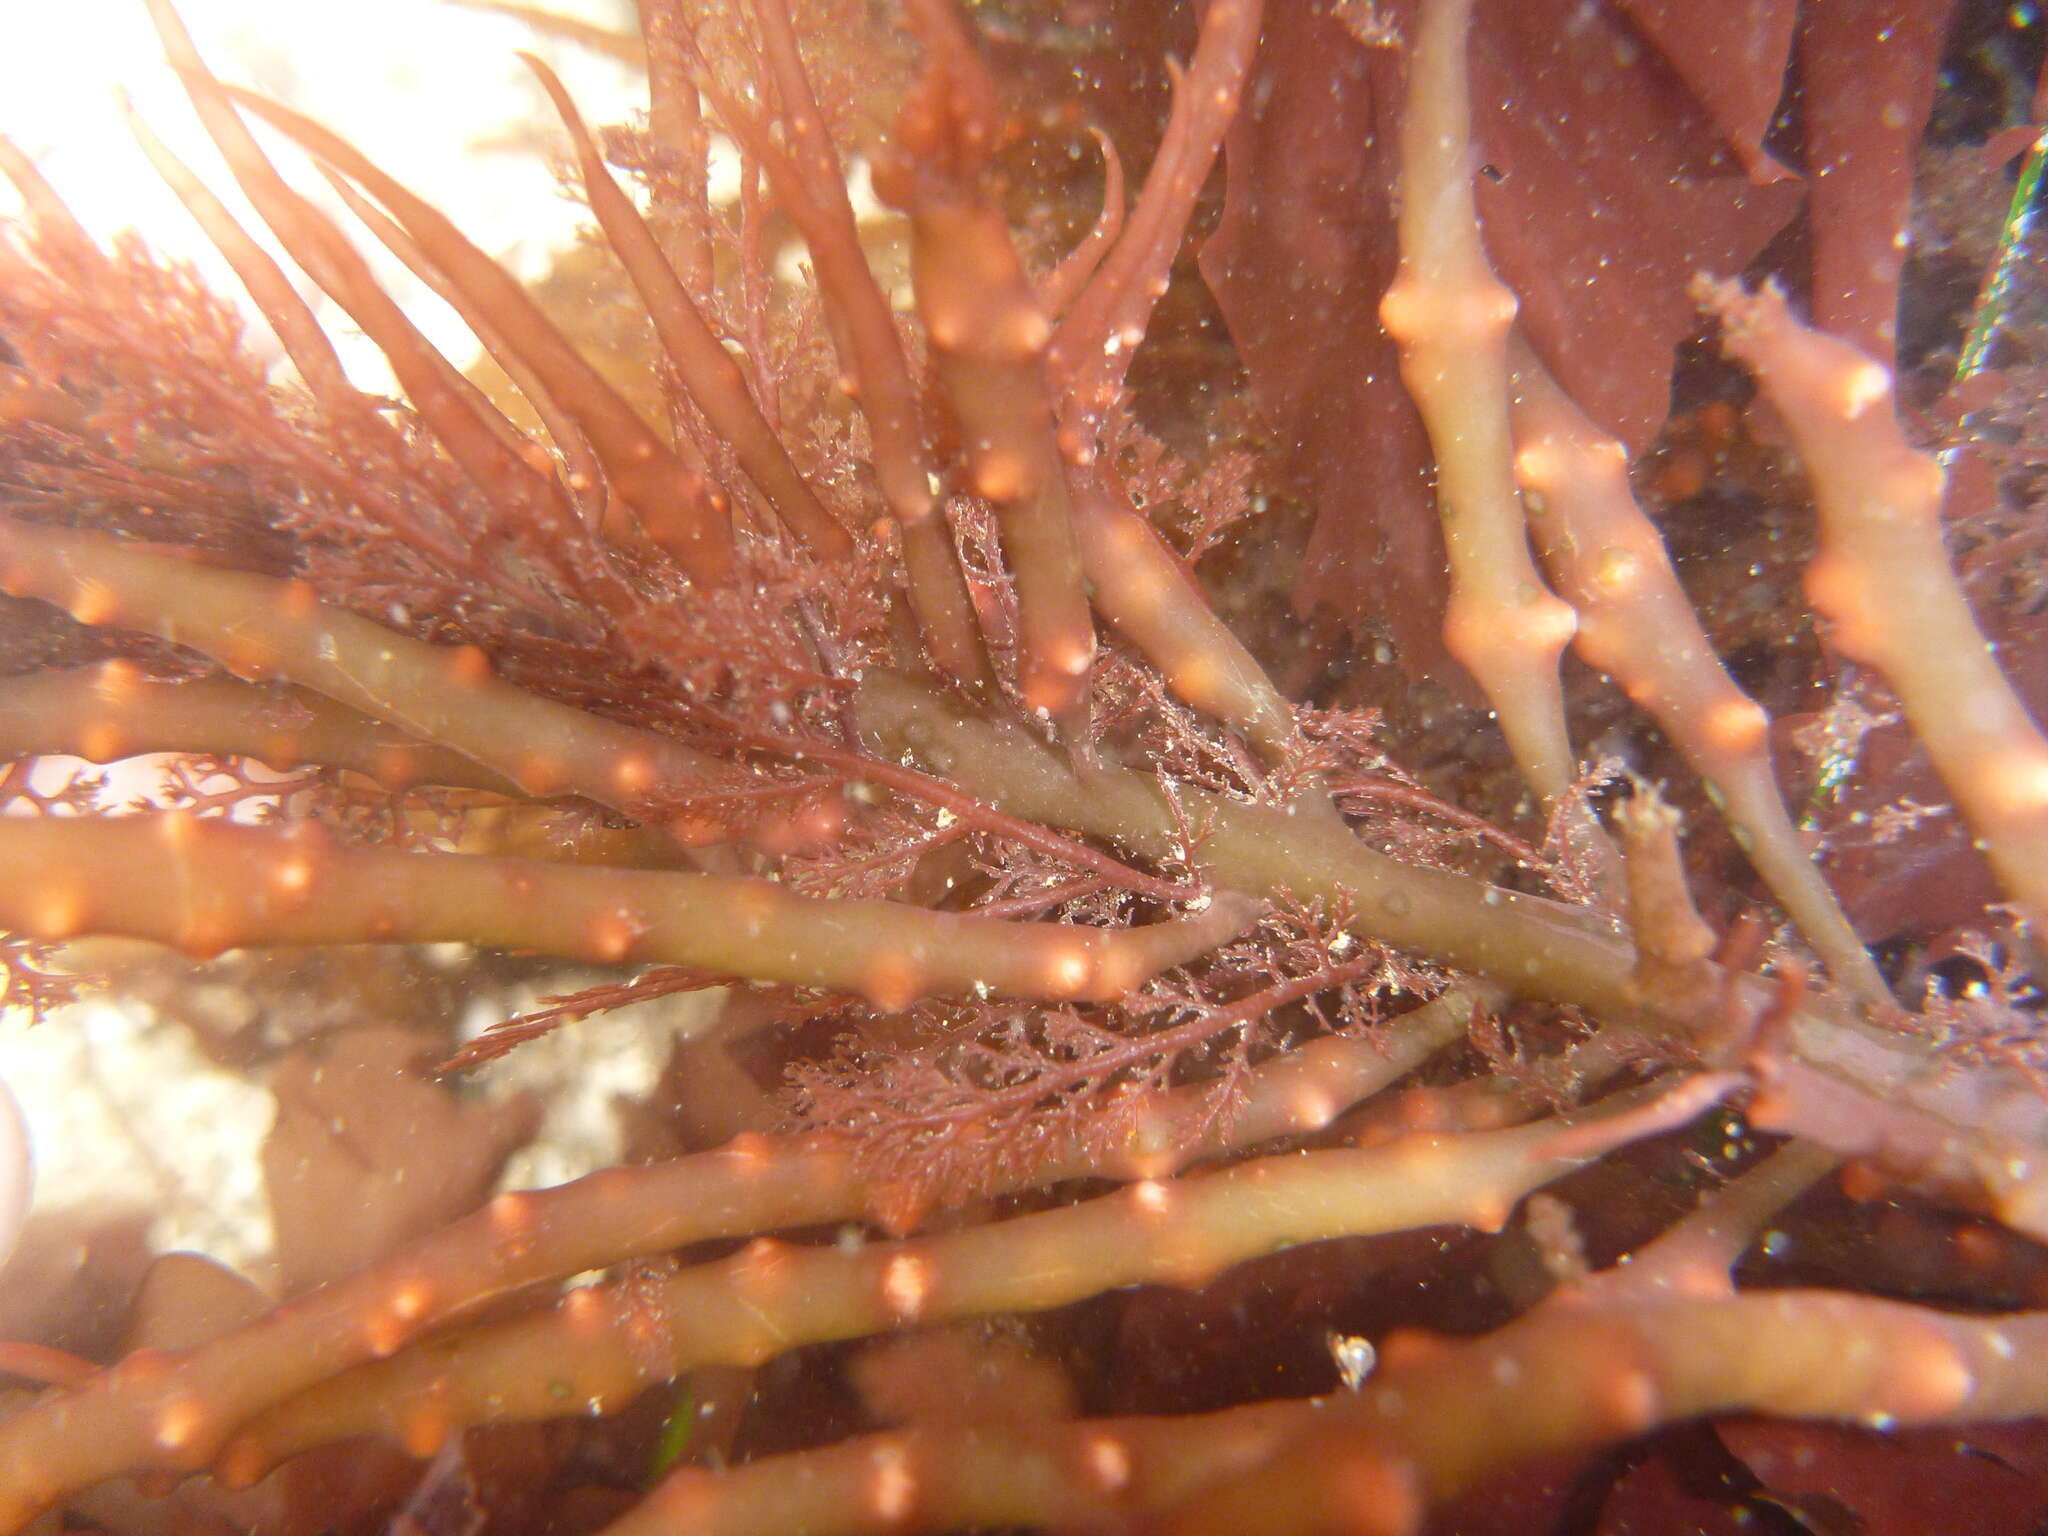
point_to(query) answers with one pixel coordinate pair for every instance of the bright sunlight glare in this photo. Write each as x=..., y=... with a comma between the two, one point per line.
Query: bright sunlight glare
x=430, y=90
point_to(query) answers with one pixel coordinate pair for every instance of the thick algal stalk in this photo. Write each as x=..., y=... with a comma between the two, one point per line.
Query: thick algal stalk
x=1882, y=579
x=112, y=710
x=600, y=1347
x=988, y=338
x=1451, y=315
x=1139, y=585
x=1062, y=1475
x=1538, y=947
x=1861, y=1090
x=176, y=1415
x=1151, y=598
x=1636, y=624
x=988, y=341
x=209, y=886
x=1568, y=1377
x=261, y=628
x=1430, y=1423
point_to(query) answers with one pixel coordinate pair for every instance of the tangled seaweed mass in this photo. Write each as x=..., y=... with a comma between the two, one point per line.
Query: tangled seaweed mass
x=1329, y=916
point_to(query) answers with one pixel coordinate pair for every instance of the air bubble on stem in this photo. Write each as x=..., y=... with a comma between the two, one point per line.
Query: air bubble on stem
x=1002, y=477
x=1539, y=467
x=102, y=742
x=293, y=876
x=1737, y=726
x=1074, y=660
x=891, y=982
x=59, y=913
x=2019, y=782
x=382, y=1334
x=178, y=1425
x=1108, y=1462
x=906, y=1286
x=1864, y=386
x=584, y=1308
x=1067, y=972
x=541, y=773
x=511, y=1215
x=411, y=1300
x=469, y=664
x=1151, y=1197
x=763, y=1271
x=94, y=603
x=1312, y=1109
x=424, y=1430
x=633, y=774
x=612, y=936
x=1194, y=679
x=1024, y=334
x=894, y=1488
x=1616, y=571
x=1630, y=1398
x=1933, y=1379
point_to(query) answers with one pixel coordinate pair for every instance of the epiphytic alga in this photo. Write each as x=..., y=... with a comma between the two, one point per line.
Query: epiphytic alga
x=868, y=663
